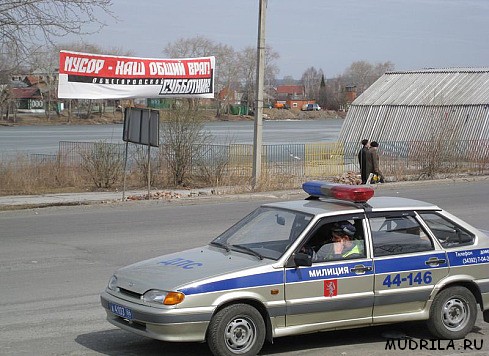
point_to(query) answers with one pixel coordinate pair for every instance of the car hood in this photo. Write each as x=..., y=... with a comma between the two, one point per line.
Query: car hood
x=178, y=270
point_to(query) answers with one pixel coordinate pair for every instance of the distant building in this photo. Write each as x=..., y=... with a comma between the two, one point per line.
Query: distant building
x=28, y=99
x=291, y=96
x=350, y=94
x=288, y=92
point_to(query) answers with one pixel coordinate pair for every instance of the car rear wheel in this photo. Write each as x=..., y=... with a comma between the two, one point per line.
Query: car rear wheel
x=238, y=329
x=453, y=313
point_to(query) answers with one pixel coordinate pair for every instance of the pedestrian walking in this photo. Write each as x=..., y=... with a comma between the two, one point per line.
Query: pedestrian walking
x=362, y=160
x=373, y=166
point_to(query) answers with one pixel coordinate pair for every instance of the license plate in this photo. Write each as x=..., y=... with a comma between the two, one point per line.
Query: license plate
x=123, y=312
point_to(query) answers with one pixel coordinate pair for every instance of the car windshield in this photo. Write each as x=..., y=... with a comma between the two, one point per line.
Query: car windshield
x=265, y=233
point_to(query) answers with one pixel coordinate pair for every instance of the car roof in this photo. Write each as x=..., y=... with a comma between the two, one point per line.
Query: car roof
x=325, y=206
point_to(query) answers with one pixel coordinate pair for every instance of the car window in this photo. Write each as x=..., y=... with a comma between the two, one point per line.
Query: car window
x=324, y=244
x=447, y=232
x=392, y=235
x=267, y=231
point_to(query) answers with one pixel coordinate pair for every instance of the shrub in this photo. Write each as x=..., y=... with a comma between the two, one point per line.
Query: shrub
x=104, y=164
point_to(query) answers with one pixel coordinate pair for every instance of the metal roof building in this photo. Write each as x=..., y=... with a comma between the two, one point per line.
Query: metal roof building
x=421, y=105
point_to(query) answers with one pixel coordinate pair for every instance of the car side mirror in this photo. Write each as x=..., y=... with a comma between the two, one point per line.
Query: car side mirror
x=302, y=259
x=280, y=219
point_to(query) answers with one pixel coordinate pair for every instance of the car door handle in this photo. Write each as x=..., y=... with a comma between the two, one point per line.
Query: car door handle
x=361, y=269
x=435, y=261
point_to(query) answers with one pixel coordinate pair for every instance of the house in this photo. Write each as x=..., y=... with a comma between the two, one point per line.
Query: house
x=285, y=92
x=230, y=96
x=28, y=99
x=291, y=96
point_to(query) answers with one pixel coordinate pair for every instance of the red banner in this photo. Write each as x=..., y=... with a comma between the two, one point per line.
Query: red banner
x=93, y=76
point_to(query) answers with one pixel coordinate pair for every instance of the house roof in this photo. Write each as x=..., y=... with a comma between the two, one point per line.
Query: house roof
x=290, y=89
x=433, y=87
x=26, y=93
x=32, y=79
x=452, y=103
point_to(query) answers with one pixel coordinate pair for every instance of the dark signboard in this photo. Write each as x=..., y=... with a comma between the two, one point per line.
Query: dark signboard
x=142, y=126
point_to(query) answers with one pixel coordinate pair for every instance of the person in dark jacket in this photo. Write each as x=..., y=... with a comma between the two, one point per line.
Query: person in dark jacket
x=362, y=160
x=373, y=163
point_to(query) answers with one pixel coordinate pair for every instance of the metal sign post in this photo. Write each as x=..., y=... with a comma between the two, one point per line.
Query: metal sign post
x=141, y=126
x=125, y=166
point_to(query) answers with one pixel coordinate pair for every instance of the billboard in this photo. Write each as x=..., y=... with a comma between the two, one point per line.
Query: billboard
x=94, y=76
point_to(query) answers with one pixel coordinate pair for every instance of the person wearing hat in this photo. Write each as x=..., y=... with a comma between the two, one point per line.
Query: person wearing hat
x=373, y=163
x=362, y=160
x=341, y=245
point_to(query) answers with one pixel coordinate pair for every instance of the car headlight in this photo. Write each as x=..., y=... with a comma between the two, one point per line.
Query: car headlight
x=112, y=283
x=163, y=297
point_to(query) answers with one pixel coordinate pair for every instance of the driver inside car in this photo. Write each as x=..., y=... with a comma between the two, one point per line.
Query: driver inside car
x=341, y=245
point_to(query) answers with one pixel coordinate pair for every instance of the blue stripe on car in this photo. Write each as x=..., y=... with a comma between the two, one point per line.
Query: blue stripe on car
x=257, y=280
x=410, y=263
x=339, y=270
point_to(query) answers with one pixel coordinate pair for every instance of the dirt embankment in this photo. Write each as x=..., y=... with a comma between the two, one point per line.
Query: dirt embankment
x=40, y=120
x=286, y=114
x=295, y=114
x=210, y=115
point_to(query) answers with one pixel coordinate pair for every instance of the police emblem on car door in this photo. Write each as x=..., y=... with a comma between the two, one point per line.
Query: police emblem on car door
x=338, y=285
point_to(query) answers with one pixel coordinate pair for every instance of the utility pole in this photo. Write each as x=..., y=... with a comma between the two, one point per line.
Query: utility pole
x=260, y=75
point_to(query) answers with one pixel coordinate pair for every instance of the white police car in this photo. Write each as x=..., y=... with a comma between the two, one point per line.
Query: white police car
x=337, y=259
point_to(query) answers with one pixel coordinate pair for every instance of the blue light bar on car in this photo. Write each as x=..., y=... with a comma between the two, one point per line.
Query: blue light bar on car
x=352, y=193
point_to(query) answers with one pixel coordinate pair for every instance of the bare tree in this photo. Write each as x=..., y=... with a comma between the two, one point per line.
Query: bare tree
x=44, y=63
x=29, y=24
x=226, y=58
x=311, y=79
x=26, y=23
x=381, y=68
x=198, y=46
x=247, y=63
x=227, y=76
x=362, y=73
x=91, y=48
x=182, y=132
x=289, y=80
x=235, y=69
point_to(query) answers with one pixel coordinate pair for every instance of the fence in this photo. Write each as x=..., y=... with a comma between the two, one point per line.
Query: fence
x=302, y=161
x=287, y=162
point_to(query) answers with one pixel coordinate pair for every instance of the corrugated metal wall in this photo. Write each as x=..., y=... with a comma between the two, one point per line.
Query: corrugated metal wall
x=451, y=104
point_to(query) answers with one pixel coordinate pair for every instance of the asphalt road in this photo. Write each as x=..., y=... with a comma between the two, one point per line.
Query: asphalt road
x=55, y=261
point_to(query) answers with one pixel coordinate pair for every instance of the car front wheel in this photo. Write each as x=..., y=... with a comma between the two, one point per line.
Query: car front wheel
x=453, y=313
x=237, y=329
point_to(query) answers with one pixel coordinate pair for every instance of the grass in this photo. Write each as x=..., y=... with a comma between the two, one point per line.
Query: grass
x=24, y=177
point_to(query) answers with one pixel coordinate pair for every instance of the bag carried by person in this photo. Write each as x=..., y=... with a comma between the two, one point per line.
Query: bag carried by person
x=375, y=178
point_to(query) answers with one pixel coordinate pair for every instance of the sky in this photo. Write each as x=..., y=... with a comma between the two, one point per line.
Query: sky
x=325, y=34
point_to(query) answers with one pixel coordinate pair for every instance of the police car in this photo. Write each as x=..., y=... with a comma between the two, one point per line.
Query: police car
x=383, y=260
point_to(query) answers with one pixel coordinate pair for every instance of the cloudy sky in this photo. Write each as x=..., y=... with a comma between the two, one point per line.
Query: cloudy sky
x=325, y=34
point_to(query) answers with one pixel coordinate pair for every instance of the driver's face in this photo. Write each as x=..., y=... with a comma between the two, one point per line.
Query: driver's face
x=338, y=237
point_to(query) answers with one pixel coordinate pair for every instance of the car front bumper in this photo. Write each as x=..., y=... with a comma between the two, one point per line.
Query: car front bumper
x=162, y=324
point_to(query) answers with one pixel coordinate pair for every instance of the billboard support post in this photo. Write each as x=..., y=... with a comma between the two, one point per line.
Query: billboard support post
x=142, y=127
x=125, y=168
x=149, y=170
